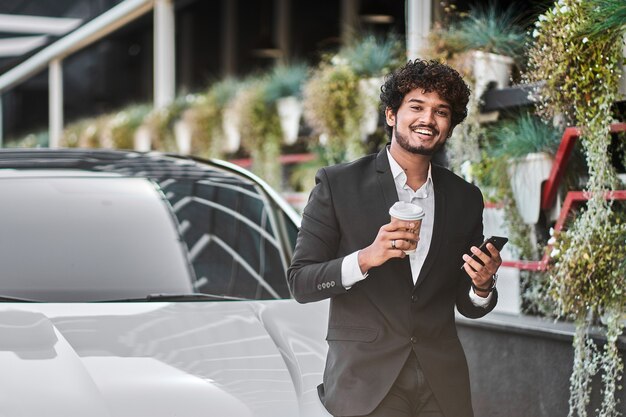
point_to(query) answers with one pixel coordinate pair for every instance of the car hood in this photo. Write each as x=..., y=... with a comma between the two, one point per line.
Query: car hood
x=261, y=358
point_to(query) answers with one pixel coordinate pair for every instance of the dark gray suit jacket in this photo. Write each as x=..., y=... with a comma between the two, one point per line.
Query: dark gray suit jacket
x=374, y=326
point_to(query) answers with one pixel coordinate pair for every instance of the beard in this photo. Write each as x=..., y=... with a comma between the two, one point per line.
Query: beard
x=405, y=144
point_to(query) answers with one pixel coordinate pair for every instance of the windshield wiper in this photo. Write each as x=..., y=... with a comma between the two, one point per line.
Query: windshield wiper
x=9, y=299
x=174, y=298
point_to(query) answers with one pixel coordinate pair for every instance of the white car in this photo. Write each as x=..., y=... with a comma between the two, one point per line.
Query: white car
x=149, y=285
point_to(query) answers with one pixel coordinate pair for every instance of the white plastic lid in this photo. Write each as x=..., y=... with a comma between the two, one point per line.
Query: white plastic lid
x=406, y=211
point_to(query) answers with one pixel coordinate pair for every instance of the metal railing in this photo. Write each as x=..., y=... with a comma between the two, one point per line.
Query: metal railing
x=52, y=56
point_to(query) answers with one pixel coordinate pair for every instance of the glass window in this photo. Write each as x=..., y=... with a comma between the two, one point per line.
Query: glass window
x=231, y=238
x=85, y=239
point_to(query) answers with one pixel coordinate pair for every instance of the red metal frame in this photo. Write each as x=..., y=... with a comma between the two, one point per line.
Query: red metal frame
x=561, y=159
x=571, y=198
x=550, y=188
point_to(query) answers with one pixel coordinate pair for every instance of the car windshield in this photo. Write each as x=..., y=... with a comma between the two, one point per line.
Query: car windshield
x=88, y=238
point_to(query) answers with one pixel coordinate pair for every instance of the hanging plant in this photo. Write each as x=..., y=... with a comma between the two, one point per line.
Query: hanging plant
x=284, y=88
x=577, y=68
x=160, y=122
x=260, y=130
x=124, y=124
x=332, y=107
x=373, y=56
x=205, y=118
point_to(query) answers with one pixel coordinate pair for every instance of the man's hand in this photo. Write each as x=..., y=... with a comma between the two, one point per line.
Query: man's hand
x=481, y=275
x=391, y=242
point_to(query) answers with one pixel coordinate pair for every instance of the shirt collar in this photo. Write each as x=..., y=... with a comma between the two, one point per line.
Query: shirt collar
x=399, y=176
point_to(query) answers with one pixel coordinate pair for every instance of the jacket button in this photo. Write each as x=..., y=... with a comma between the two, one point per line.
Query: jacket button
x=414, y=298
x=413, y=339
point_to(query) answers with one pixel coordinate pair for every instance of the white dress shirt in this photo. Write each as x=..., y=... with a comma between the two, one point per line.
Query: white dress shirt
x=423, y=197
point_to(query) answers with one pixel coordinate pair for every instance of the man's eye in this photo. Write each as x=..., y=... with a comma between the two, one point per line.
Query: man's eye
x=443, y=113
x=416, y=108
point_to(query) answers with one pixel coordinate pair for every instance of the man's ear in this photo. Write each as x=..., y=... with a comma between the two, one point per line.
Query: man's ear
x=390, y=116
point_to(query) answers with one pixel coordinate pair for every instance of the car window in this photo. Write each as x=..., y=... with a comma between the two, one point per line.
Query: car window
x=230, y=229
x=85, y=239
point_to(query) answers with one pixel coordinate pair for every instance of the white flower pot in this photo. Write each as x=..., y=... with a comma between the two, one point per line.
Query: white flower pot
x=182, y=133
x=289, y=111
x=490, y=68
x=230, y=125
x=142, y=139
x=369, y=89
x=527, y=174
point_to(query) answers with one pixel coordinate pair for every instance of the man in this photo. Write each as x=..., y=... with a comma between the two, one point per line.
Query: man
x=393, y=346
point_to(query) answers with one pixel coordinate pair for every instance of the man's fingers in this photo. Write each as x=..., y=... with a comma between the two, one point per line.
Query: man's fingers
x=495, y=254
x=398, y=225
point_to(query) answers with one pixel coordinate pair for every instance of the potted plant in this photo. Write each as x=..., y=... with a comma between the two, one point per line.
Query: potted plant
x=123, y=125
x=284, y=87
x=204, y=121
x=259, y=126
x=334, y=109
x=159, y=125
x=485, y=41
x=528, y=146
x=370, y=57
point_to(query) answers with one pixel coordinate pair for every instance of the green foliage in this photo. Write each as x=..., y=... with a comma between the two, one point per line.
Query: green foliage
x=285, y=81
x=491, y=174
x=333, y=107
x=578, y=77
x=87, y=133
x=523, y=135
x=223, y=91
x=260, y=130
x=572, y=72
x=161, y=124
x=484, y=28
x=589, y=274
x=32, y=140
x=490, y=30
x=125, y=123
x=372, y=56
x=204, y=117
x=605, y=16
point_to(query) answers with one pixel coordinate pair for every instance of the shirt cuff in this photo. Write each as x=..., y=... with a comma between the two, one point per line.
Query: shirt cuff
x=350, y=270
x=479, y=301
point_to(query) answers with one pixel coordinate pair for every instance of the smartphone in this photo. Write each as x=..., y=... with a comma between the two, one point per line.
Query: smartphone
x=497, y=241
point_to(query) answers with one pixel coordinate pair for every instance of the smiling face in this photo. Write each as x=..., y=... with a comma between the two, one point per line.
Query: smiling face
x=422, y=123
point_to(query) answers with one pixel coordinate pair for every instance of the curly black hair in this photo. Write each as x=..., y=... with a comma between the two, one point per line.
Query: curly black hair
x=429, y=76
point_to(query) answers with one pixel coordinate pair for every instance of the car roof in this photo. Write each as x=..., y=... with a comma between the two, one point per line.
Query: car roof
x=157, y=166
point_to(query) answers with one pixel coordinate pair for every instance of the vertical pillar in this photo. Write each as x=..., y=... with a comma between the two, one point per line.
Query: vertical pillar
x=282, y=27
x=349, y=15
x=55, y=103
x=164, y=54
x=229, y=37
x=418, y=26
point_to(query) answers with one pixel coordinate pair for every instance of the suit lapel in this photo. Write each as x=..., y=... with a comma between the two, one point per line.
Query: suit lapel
x=390, y=196
x=438, y=225
x=385, y=180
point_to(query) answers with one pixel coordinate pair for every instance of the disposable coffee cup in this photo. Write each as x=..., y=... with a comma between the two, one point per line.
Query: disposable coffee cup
x=408, y=212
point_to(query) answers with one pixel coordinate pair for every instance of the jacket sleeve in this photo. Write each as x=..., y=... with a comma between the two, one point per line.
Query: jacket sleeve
x=463, y=302
x=315, y=271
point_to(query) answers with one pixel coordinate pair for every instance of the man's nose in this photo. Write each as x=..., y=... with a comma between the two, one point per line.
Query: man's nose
x=428, y=116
